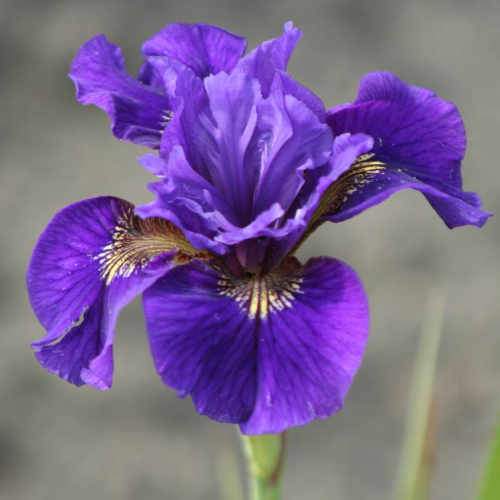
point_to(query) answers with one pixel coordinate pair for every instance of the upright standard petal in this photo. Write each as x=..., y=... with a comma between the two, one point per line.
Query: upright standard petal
x=234, y=161
x=203, y=48
x=267, y=352
x=93, y=258
x=138, y=112
x=271, y=56
x=419, y=143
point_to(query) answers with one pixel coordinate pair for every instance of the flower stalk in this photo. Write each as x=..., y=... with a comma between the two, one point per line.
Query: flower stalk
x=265, y=456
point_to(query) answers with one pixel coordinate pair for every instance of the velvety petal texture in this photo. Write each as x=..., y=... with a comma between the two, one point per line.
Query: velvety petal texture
x=209, y=353
x=138, y=112
x=266, y=354
x=420, y=140
x=93, y=258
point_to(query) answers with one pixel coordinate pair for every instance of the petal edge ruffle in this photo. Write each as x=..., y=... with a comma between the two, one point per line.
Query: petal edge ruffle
x=137, y=112
x=203, y=48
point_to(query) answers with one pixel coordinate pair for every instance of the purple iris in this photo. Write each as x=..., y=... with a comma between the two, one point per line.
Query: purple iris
x=249, y=163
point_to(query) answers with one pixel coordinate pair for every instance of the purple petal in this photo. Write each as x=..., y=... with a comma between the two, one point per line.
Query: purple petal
x=291, y=140
x=302, y=94
x=138, y=113
x=244, y=159
x=456, y=208
x=309, y=353
x=209, y=353
x=305, y=212
x=85, y=268
x=153, y=78
x=421, y=140
x=191, y=124
x=202, y=48
x=233, y=105
x=185, y=198
x=268, y=353
x=271, y=56
x=261, y=146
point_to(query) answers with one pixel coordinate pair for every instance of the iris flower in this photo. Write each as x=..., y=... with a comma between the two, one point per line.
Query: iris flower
x=249, y=163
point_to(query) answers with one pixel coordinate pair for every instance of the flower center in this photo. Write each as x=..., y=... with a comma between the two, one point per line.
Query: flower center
x=260, y=295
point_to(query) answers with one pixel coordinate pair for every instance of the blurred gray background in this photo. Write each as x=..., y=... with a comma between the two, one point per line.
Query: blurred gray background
x=138, y=441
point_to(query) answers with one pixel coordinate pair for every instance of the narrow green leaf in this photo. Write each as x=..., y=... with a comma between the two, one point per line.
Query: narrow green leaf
x=490, y=484
x=412, y=482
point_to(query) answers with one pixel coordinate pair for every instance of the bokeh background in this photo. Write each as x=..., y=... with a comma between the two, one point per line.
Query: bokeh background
x=138, y=440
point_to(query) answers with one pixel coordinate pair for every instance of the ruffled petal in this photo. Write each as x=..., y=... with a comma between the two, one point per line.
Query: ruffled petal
x=137, y=112
x=267, y=353
x=271, y=56
x=291, y=141
x=419, y=142
x=202, y=48
x=187, y=199
x=93, y=258
x=191, y=124
x=233, y=162
x=305, y=214
x=233, y=103
x=261, y=145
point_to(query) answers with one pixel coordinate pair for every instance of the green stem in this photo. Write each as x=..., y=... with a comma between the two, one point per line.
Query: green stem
x=265, y=456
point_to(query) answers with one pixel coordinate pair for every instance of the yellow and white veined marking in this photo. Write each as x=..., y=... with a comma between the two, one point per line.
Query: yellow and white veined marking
x=259, y=295
x=360, y=174
x=357, y=176
x=135, y=242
